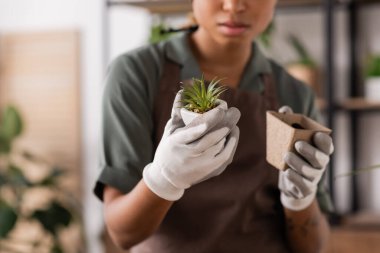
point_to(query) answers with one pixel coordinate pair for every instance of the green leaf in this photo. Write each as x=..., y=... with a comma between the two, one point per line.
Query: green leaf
x=266, y=36
x=3, y=179
x=199, y=97
x=157, y=34
x=5, y=145
x=303, y=55
x=53, y=218
x=56, y=248
x=11, y=124
x=16, y=176
x=51, y=179
x=8, y=218
x=373, y=66
x=359, y=171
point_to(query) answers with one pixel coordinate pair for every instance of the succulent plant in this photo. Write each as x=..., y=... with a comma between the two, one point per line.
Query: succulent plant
x=198, y=98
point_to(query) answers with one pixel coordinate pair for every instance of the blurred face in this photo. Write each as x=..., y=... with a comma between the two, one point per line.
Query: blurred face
x=233, y=21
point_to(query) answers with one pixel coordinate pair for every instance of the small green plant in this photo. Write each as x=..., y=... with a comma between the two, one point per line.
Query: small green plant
x=196, y=97
x=60, y=211
x=373, y=66
x=157, y=33
x=266, y=37
x=359, y=171
x=304, y=57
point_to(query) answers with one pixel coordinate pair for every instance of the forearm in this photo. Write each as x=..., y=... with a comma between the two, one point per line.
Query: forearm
x=131, y=218
x=307, y=230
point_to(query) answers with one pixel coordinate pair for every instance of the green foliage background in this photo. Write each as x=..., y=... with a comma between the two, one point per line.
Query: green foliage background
x=56, y=216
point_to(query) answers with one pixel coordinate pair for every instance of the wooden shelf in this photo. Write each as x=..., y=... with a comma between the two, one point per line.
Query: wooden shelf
x=359, y=104
x=356, y=233
x=172, y=6
x=156, y=6
x=180, y=6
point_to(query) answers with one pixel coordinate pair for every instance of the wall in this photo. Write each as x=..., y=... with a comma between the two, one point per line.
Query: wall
x=85, y=16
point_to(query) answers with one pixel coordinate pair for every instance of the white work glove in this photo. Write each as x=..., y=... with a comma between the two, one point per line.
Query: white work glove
x=299, y=183
x=190, y=154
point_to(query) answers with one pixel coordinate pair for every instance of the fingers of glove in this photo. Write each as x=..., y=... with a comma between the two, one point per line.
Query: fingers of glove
x=215, y=149
x=168, y=129
x=212, y=152
x=198, y=127
x=285, y=109
x=314, y=156
x=296, y=185
x=222, y=105
x=207, y=164
x=227, y=154
x=301, y=167
x=231, y=118
x=194, y=166
x=209, y=140
x=175, y=114
x=324, y=142
x=177, y=104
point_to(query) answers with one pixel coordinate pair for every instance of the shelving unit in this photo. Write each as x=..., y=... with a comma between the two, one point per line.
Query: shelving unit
x=354, y=105
x=360, y=105
x=177, y=6
x=165, y=6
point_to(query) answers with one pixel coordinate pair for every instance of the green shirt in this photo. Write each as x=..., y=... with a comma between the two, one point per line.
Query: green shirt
x=130, y=88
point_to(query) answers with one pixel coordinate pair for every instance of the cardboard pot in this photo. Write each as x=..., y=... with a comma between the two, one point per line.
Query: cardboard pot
x=283, y=130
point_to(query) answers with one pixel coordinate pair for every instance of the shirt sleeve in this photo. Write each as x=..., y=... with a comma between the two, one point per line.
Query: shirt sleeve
x=126, y=132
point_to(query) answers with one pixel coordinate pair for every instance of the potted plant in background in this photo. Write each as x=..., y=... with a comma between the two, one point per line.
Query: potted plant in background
x=26, y=225
x=372, y=81
x=157, y=33
x=304, y=68
x=359, y=171
x=265, y=38
x=160, y=31
x=197, y=98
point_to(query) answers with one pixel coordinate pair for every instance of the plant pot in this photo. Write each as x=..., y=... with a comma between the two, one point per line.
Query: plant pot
x=283, y=130
x=306, y=74
x=188, y=116
x=372, y=89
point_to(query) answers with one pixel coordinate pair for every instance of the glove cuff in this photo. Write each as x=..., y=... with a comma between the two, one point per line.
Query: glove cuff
x=297, y=204
x=158, y=184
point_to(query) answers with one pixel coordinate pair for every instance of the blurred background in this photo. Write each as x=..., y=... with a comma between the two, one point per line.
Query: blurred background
x=53, y=58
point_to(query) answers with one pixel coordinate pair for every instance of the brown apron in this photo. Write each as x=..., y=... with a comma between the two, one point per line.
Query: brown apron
x=238, y=211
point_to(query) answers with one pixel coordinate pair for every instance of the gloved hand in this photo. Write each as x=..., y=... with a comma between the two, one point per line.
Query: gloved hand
x=190, y=154
x=298, y=184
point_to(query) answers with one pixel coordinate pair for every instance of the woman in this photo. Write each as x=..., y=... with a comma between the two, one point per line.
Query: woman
x=176, y=193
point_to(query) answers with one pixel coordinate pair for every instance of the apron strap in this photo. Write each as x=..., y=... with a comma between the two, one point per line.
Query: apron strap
x=270, y=92
x=168, y=87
